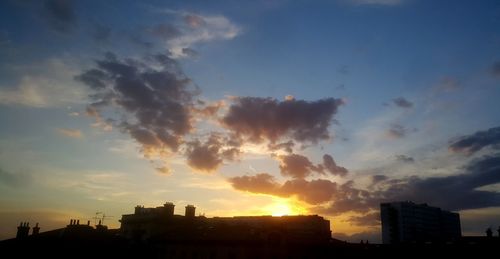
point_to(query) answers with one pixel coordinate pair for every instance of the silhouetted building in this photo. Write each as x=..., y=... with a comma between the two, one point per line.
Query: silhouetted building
x=407, y=222
x=150, y=224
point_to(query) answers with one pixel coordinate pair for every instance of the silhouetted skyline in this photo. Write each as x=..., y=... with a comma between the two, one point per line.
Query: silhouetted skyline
x=249, y=108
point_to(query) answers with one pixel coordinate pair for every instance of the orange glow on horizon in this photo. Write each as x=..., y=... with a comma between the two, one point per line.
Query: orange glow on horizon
x=283, y=207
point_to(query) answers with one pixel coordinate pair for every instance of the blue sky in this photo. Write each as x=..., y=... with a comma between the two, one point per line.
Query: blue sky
x=415, y=88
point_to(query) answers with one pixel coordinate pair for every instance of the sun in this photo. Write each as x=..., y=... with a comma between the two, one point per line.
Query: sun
x=283, y=207
x=280, y=209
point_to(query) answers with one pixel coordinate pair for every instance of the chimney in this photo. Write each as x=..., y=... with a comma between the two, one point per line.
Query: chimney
x=190, y=210
x=36, y=229
x=169, y=207
x=23, y=230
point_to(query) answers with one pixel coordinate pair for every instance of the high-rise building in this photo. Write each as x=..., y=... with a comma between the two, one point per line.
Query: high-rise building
x=407, y=222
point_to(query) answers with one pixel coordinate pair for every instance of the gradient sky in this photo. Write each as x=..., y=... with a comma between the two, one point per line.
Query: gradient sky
x=249, y=108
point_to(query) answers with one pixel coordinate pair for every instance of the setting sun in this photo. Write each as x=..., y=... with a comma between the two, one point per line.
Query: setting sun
x=283, y=207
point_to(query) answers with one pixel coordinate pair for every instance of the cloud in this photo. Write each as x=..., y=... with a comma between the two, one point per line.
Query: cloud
x=60, y=15
x=188, y=52
x=405, y=158
x=378, y=178
x=152, y=96
x=163, y=170
x=286, y=146
x=402, y=102
x=332, y=198
x=299, y=167
x=470, y=144
x=396, y=131
x=257, y=119
x=461, y=190
x=371, y=219
x=43, y=85
x=72, y=133
x=330, y=166
x=495, y=69
x=208, y=156
x=194, y=29
x=377, y=2
x=259, y=183
x=204, y=157
x=313, y=192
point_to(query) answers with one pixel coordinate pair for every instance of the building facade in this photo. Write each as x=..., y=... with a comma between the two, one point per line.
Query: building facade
x=408, y=222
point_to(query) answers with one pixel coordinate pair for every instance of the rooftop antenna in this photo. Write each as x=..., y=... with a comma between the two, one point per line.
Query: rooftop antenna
x=96, y=217
x=105, y=216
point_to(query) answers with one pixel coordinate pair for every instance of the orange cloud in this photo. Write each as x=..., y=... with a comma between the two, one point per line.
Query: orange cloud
x=72, y=133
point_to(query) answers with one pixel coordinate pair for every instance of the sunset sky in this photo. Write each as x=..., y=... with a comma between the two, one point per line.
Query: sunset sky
x=249, y=108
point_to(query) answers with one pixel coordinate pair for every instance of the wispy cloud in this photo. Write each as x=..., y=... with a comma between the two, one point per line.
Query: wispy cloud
x=194, y=29
x=46, y=84
x=72, y=133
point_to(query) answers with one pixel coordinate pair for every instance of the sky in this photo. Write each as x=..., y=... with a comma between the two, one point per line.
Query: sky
x=249, y=108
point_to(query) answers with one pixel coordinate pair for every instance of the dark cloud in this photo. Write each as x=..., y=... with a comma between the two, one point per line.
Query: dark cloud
x=208, y=156
x=371, y=219
x=258, y=119
x=495, y=69
x=299, y=167
x=259, y=183
x=472, y=143
x=396, y=131
x=405, y=158
x=203, y=157
x=378, y=178
x=402, y=102
x=461, y=190
x=331, y=167
x=152, y=96
x=313, y=192
x=60, y=15
x=332, y=198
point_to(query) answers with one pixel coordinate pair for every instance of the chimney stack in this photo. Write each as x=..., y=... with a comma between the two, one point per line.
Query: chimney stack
x=36, y=229
x=190, y=211
x=23, y=230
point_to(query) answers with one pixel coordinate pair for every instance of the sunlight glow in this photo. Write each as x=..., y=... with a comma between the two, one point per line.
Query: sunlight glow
x=282, y=207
